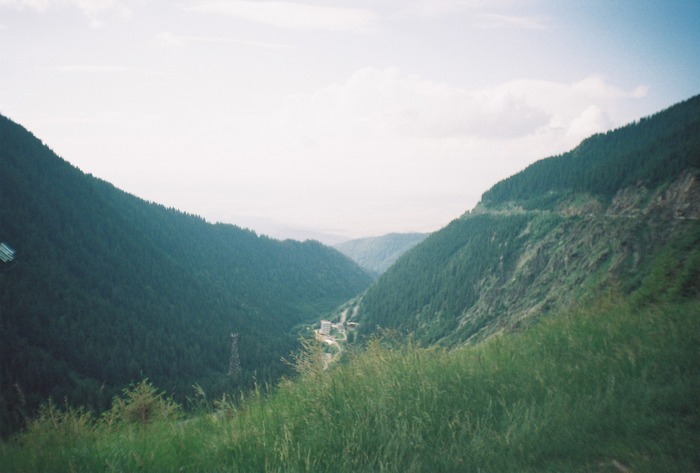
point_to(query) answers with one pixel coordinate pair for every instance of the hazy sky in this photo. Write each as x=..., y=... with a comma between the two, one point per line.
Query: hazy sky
x=336, y=118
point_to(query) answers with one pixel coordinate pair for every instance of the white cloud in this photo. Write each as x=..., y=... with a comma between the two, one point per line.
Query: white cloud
x=492, y=20
x=87, y=6
x=430, y=9
x=595, y=86
x=567, y=102
x=93, y=10
x=387, y=102
x=589, y=121
x=380, y=151
x=425, y=150
x=90, y=68
x=299, y=16
x=170, y=39
x=37, y=5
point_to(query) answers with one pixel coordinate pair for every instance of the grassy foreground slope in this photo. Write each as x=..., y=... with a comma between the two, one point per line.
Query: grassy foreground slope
x=611, y=388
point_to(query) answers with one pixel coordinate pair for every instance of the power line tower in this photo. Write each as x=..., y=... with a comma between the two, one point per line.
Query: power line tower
x=7, y=255
x=234, y=362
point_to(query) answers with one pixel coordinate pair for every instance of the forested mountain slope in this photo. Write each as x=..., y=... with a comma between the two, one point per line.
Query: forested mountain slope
x=106, y=288
x=377, y=254
x=620, y=207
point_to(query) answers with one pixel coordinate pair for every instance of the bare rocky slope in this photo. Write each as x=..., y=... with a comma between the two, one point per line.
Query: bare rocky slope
x=591, y=247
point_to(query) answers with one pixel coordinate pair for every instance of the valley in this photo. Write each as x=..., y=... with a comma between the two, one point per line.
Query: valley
x=553, y=327
x=107, y=289
x=337, y=332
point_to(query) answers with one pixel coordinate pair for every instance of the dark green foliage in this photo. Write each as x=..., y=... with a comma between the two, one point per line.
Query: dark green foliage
x=436, y=281
x=649, y=152
x=675, y=273
x=106, y=289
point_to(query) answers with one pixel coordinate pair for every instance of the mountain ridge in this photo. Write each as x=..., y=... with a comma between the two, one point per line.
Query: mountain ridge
x=595, y=298
x=567, y=226
x=377, y=254
x=107, y=288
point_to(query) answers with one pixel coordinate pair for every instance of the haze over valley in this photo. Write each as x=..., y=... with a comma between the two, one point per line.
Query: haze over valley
x=333, y=121
x=595, y=248
x=307, y=236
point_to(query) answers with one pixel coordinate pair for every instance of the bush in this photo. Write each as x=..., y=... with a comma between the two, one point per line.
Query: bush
x=142, y=404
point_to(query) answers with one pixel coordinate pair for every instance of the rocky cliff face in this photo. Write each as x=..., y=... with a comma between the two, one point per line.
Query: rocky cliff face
x=619, y=212
x=499, y=268
x=590, y=246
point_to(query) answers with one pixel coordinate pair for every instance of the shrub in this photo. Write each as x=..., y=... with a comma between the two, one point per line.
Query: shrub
x=142, y=404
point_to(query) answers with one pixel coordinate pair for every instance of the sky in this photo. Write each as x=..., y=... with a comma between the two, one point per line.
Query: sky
x=334, y=119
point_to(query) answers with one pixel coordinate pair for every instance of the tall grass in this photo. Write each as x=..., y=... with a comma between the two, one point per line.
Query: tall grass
x=611, y=388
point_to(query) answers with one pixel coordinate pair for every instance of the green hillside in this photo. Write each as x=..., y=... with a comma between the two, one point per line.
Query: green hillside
x=106, y=289
x=377, y=254
x=560, y=231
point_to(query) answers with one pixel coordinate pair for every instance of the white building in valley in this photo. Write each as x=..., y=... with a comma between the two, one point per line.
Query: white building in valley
x=325, y=327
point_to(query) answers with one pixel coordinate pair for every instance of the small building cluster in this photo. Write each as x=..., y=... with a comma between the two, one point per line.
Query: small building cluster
x=325, y=327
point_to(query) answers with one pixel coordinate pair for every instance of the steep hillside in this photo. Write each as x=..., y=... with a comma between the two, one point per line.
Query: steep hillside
x=377, y=254
x=602, y=216
x=106, y=288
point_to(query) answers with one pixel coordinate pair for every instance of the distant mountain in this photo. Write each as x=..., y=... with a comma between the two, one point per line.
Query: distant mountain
x=619, y=212
x=377, y=254
x=106, y=288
